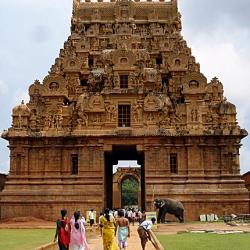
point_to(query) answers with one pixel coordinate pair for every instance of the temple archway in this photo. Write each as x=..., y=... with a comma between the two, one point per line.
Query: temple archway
x=129, y=192
x=126, y=175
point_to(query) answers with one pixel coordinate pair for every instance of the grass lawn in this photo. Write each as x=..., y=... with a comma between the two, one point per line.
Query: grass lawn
x=205, y=241
x=25, y=239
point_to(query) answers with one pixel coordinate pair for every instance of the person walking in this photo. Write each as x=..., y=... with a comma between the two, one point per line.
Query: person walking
x=123, y=230
x=99, y=223
x=78, y=237
x=144, y=231
x=133, y=217
x=63, y=231
x=108, y=231
x=130, y=215
x=91, y=218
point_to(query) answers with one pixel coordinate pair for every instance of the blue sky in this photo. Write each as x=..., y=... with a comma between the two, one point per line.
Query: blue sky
x=32, y=33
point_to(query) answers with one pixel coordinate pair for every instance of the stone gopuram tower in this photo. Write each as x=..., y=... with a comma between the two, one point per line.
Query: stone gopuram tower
x=124, y=87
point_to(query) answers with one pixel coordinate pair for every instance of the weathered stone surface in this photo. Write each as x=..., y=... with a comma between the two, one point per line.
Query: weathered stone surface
x=124, y=87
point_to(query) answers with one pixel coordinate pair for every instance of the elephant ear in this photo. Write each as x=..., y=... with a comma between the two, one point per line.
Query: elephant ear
x=155, y=202
x=162, y=203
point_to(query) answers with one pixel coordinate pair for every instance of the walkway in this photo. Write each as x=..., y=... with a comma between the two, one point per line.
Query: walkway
x=133, y=242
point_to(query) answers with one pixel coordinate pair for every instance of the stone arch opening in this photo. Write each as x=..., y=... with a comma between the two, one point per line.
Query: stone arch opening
x=114, y=180
x=129, y=192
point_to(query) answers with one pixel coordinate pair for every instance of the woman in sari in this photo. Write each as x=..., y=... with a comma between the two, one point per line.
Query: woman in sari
x=78, y=237
x=122, y=224
x=108, y=231
x=63, y=231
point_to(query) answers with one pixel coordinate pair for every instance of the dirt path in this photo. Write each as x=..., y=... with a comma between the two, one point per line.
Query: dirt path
x=133, y=241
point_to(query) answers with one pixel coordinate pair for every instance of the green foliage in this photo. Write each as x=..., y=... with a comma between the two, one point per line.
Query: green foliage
x=130, y=192
x=205, y=241
x=25, y=239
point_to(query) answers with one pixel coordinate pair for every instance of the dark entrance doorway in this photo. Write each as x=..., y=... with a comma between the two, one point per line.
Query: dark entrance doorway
x=122, y=153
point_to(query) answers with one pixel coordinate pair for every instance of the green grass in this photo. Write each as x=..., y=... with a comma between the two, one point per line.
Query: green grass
x=25, y=239
x=205, y=241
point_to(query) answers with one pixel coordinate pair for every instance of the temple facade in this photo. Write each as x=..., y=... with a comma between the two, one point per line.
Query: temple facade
x=125, y=86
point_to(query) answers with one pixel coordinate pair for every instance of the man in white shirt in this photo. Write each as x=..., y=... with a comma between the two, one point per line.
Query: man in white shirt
x=144, y=231
x=91, y=217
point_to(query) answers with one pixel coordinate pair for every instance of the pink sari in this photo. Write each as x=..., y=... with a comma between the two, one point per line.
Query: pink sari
x=78, y=236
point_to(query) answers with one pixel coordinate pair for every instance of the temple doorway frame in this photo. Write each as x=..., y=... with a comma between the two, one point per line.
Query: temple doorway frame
x=122, y=152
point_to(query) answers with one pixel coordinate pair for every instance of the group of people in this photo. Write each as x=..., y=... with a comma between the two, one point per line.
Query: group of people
x=111, y=226
x=72, y=232
x=132, y=214
x=114, y=223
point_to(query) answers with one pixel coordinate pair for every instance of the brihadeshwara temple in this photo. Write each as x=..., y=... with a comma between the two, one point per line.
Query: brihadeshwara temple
x=125, y=86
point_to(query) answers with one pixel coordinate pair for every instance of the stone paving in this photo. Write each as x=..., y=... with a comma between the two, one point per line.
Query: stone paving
x=133, y=242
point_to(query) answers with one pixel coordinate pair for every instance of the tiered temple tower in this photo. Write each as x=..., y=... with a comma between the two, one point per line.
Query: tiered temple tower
x=125, y=86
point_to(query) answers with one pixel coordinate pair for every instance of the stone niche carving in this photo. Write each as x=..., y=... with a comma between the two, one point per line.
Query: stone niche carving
x=152, y=102
x=124, y=28
x=111, y=112
x=54, y=86
x=20, y=116
x=35, y=88
x=214, y=90
x=137, y=112
x=93, y=30
x=82, y=120
x=166, y=104
x=53, y=118
x=194, y=83
x=96, y=103
x=83, y=45
x=123, y=58
x=35, y=91
x=227, y=112
x=150, y=74
x=72, y=65
x=177, y=62
x=124, y=10
x=96, y=14
x=83, y=102
x=152, y=15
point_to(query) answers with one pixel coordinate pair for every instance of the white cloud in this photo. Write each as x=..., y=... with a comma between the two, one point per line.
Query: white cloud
x=4, y=166
x=38, y=4
x=223, y=60
x=3, y=88
x=245, y=159
x=18, y=96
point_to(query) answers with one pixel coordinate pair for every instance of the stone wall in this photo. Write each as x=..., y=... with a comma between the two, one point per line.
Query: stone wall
x=3, y=178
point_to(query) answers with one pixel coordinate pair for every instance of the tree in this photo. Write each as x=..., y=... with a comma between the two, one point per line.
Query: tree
x=130, y=192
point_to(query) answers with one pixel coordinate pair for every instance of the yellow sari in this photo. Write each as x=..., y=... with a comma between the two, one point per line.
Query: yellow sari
x=108, y=234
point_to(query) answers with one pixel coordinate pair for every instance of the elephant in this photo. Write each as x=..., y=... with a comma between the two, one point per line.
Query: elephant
x=170, y=206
